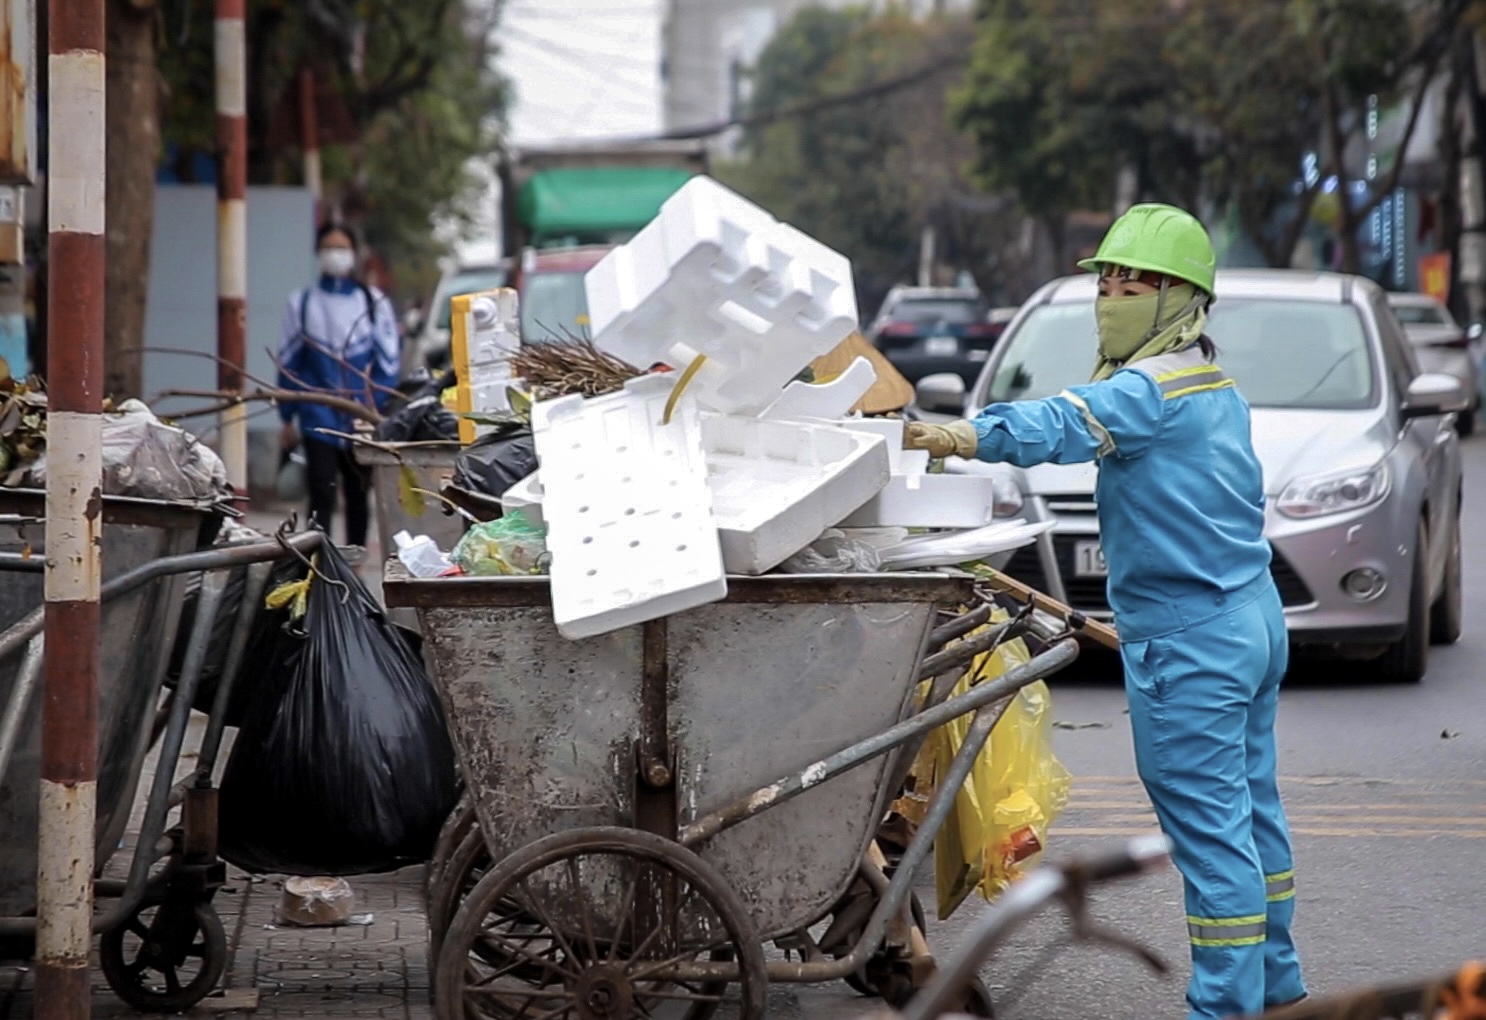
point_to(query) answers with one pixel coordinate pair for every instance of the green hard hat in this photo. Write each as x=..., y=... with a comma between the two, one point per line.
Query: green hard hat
x=1160, y=239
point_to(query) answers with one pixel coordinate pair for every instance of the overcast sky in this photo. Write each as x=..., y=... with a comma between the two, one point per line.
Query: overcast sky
x=582, y=68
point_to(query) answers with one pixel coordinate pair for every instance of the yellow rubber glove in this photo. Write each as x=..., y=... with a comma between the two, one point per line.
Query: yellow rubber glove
x=957, y=439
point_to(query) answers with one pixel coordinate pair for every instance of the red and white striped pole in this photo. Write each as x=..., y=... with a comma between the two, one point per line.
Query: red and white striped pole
x=74, y=507
x=232, y=233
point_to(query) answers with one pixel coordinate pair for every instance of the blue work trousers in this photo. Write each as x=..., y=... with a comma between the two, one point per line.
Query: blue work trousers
x=1203, y=701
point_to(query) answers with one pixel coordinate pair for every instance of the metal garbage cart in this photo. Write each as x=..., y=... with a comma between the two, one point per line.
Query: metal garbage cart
x=657, y=803
x=431, y=465
x=162, y=947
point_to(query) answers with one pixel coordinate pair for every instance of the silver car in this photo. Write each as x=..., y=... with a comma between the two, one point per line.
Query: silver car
x=1361, y=459
x=1442, y=345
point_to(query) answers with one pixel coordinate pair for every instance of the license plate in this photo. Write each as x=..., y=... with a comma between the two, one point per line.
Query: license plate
x=1088, y=560
x=941, y=347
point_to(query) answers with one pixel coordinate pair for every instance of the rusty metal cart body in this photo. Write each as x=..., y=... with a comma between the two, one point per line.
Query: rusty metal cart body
x=660, y=801
x=163, y=948
x=431, y=465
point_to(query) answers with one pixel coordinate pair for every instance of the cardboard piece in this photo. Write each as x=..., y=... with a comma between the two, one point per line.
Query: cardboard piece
x=891, y=392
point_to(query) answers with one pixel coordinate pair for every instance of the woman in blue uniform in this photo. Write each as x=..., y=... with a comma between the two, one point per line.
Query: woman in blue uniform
x=1181, y=516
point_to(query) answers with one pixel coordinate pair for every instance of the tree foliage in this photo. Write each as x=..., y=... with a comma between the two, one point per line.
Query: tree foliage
x=1205, y=100
x=865, y=177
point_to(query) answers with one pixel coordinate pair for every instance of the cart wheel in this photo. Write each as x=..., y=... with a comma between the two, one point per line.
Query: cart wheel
x=467, y=865
x=583, y=924
x=456, y=827
x=977, y=1000
x=862, y=981
x=165, y=957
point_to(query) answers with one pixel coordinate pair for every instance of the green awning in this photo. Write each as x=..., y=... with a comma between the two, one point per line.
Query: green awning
x=595, y=203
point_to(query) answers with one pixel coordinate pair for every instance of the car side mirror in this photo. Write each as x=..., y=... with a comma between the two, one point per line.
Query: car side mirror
x=941, y=393
x=1432, y=394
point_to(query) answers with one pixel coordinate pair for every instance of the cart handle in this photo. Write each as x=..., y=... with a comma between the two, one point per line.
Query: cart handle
x=23, y=630
x=1068, y=884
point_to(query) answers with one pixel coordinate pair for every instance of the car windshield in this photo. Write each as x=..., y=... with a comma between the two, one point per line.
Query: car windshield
x=553, y=305
x=1285, y=354
x=470, y=282
x=955, y=311
x=1421, y=315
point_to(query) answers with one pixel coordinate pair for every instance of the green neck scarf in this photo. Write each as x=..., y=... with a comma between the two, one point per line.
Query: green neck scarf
x=1134, y=328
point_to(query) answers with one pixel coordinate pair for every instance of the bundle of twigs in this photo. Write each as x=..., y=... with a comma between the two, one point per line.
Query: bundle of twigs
x=559, y=368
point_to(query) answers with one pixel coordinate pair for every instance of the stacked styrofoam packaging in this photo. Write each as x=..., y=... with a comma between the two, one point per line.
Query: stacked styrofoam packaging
x=652, y=495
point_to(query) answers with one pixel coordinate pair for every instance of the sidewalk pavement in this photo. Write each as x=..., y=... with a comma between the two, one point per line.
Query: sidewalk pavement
x=376, y=970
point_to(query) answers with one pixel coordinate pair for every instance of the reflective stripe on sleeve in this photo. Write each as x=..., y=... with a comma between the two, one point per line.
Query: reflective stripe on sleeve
x=1187, y=381
x=1096, y=427
x=1226, y=931
x=1279, y=887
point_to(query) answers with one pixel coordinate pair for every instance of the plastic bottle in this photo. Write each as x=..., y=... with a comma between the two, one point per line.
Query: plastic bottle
x=421, y=555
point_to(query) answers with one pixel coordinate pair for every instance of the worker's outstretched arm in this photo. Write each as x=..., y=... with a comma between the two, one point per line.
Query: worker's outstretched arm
x=1119, y=416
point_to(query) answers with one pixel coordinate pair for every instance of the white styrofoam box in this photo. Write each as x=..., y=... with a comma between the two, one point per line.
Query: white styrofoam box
x=715, y=275
x=526, y=496
x=833, y=399
x=776, y=485
x=627, y=507
x=919, y=500
x=961, y=546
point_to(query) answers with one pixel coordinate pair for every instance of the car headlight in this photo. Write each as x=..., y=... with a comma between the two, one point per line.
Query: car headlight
x=1006, y=498
x=1331, y=494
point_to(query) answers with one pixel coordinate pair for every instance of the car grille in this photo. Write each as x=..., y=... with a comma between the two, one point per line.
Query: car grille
x=1087, y=594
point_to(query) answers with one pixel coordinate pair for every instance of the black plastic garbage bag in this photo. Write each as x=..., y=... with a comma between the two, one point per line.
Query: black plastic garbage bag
x=423, y=419
x=495, y=462
x=343, y=765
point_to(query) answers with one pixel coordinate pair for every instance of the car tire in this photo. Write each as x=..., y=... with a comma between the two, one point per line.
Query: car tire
x=1446, y=616
x=1465, y=422
x=1406, y=659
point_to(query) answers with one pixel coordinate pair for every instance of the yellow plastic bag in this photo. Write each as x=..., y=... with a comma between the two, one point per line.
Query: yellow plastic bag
x=1016, y=788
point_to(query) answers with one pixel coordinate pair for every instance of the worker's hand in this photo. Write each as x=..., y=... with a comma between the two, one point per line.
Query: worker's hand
x=288, y=436
x=957, y=439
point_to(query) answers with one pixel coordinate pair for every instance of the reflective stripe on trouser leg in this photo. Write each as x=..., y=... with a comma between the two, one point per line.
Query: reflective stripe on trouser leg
x=1282, y=978
x=1279, y=887
x=1189, y=697
x=1226, y=931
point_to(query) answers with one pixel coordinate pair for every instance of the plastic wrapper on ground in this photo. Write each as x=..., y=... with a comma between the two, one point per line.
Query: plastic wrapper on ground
x=343, y=764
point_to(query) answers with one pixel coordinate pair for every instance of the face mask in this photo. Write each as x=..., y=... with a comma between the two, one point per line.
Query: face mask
x=1126, y=324
x=337, y=262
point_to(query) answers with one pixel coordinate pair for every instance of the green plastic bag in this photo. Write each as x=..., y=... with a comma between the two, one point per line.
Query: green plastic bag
x=512, y=544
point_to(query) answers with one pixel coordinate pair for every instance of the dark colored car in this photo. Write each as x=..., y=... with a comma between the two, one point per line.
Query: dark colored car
x=928, y=330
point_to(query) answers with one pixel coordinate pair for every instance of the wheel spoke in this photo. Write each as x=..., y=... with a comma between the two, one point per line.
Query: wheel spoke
x=626, y=910
x=506, y=949
x=593, y=948
x=172, y=982
x=197, y=950
x=138, y=927
x=541, y=914
x=639, y=953
x=689, y=953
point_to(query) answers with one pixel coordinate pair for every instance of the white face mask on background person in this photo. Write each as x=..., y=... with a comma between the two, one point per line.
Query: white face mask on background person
x=337, y=262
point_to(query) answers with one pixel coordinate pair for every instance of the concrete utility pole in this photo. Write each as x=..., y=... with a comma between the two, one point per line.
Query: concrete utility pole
x=309, y=139
x=76, y=169
x=232, y=233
